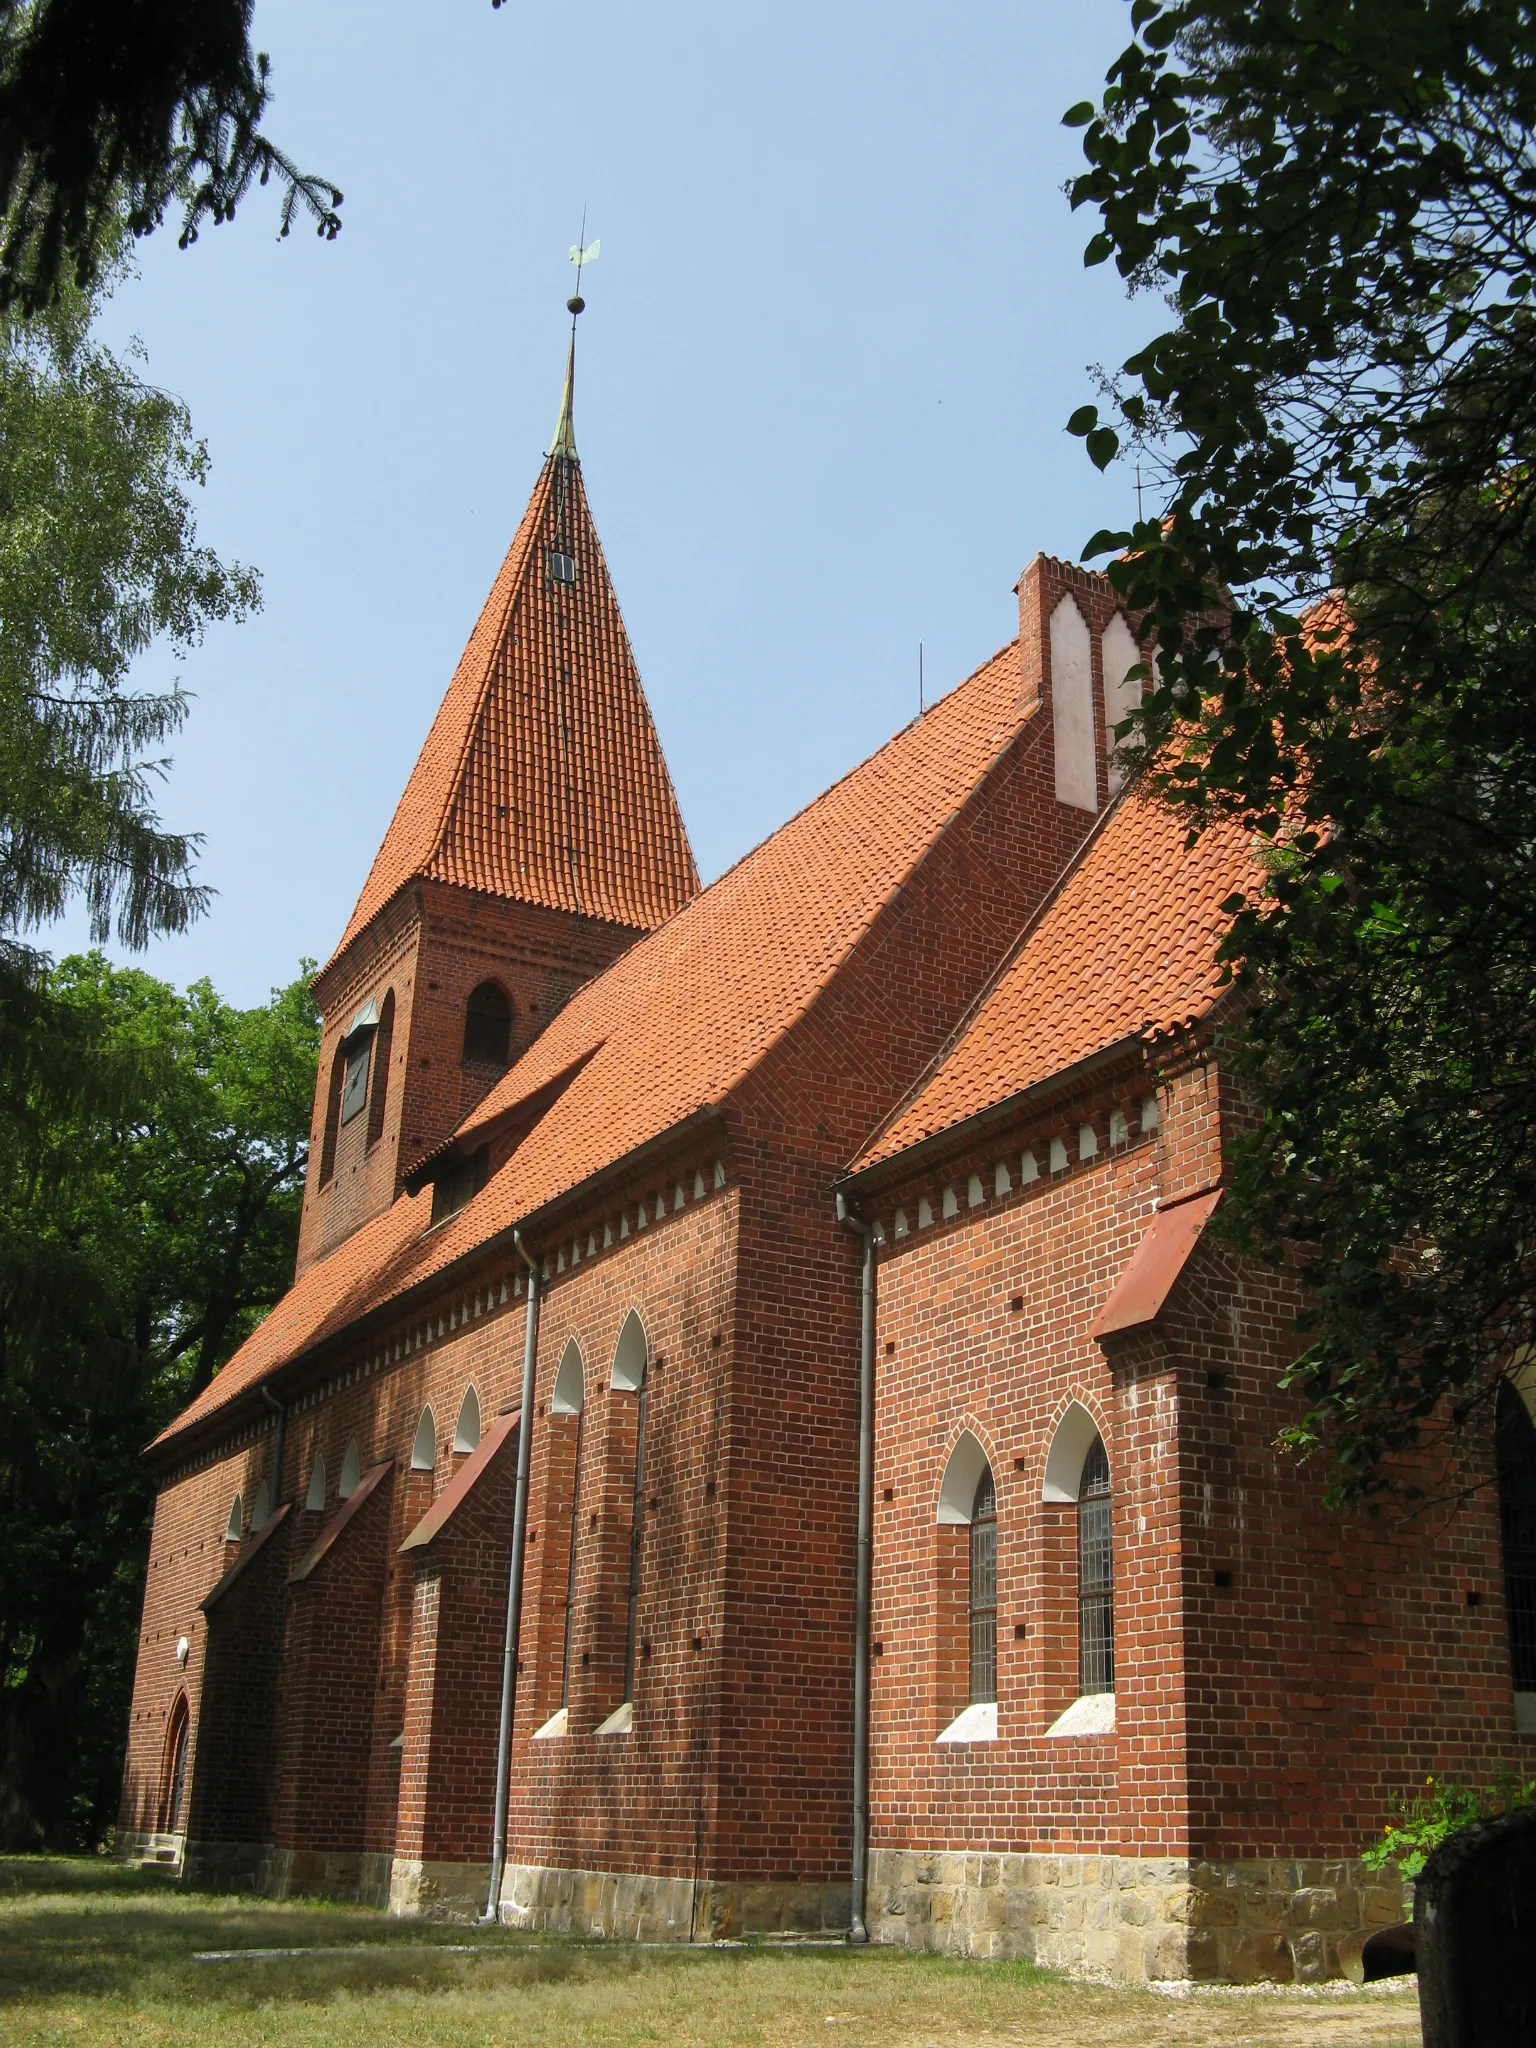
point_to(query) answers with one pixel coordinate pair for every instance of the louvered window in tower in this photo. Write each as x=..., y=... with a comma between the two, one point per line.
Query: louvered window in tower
x=984, y=1592
x=562, y=567
x=1095, y=1578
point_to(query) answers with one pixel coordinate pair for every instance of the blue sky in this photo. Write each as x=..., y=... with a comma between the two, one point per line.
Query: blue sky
x=838, y=321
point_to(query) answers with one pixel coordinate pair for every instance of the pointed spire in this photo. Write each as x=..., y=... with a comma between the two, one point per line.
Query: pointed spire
x=564, y=442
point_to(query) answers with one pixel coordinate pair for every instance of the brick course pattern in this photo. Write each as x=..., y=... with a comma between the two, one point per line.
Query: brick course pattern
x=990, y=1016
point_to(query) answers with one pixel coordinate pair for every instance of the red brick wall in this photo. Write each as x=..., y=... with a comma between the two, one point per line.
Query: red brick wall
x=1274, y=1716
x=452, y=1709
x=433, y=947
x=187, y=1558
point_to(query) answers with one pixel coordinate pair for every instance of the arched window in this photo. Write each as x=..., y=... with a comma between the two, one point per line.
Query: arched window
x=629, y=1355
x=630, y=1358
x=261, y=1508
x=466, y=1433
x=424, y=1449
x=173, y=1793
x=984, y=1591
x=351, y=1472
x=1095, y=1577
x=487, y=1026
x=383, y=1045
x=1515, y=1449
x=315, y=1497
x=332, y=1116
x=570, y=1398
x=234, y=1528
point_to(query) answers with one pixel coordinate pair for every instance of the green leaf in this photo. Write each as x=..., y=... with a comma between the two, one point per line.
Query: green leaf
x=1084, y=420
x=1080, y=115
x=1103, y=446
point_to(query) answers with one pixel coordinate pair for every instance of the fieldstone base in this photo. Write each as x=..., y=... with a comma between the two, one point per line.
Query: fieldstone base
x=624, y=1906
x=1131, y=1919
x=352, y=1877
x=153, y=1852
x=438, y=1891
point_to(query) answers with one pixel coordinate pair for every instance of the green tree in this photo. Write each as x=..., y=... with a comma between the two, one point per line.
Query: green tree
x=1338, y=200
x=151, y=1221
x=114, y=110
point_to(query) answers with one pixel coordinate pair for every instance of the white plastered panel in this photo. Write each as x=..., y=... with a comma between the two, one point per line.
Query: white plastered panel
x=1072, y=707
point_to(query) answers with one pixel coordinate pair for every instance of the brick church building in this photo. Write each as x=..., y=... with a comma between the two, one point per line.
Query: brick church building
x=761, y=1438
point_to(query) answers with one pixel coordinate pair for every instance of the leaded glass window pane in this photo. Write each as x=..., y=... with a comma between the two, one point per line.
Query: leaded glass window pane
x=1095, y=1576
x=984, y=1592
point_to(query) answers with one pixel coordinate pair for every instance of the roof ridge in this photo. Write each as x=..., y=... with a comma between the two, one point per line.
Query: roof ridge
x=857, y=768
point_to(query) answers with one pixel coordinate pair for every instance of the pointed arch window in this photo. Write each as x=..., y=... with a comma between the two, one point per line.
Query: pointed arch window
x=570, y=1398
x=234, y=1528
x=332, y=1116
x=315, y=1497
x=424, y=1449
x=487, y=1026
x=1515, y=1450
x=1095, y=1575
x=983, y=1591
x=466, y=1432
x=631, y=1359
x=351, y=1471
x=384, y=1040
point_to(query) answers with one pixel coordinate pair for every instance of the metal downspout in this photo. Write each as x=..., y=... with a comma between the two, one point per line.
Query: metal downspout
x=858, y=1930
x=514, y=1585
x=280, y=1410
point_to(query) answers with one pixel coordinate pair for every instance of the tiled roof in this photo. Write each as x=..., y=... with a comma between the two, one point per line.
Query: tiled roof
x=542, y=778
x=679, y=1020
x=1128, y=946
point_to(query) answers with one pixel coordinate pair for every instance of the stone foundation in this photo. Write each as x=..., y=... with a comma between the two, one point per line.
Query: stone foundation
x=354, y=1878
x=1134, y=1919
x=438, y=1891
x=621, y=1906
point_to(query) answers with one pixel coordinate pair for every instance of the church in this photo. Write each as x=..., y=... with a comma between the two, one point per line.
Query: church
x=763, y=1441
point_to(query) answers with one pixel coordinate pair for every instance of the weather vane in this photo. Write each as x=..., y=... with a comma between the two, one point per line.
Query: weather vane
x=584, y=252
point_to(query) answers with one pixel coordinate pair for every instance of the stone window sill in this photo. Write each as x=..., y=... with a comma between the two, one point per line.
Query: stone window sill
x=557, y=1725
x=1091, y=1713
x=619, y=1722
x=977, y=1724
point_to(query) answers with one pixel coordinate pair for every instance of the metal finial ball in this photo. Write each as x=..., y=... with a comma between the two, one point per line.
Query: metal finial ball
x=576, y=305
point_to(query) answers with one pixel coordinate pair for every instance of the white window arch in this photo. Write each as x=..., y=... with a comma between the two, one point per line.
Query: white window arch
x=466, y=1431
x=1076, y=1434
x=351, y=1471
x=570, y=1394
x=962, y=1476
x=261, y=1508
x=630, y=1355
x=424, y=1449
x=315, y=1498
x=234, y=1528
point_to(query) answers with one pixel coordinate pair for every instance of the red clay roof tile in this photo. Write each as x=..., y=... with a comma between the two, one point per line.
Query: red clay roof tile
x=1128, y=945
x=542, y=778
x=679, y=1021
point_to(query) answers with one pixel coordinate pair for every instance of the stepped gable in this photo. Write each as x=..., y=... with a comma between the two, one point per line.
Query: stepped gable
x=1128, y=945
x=542, y=779
x=676, y=1023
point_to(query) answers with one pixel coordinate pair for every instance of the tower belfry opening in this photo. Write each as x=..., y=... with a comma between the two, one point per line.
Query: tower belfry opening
x=537, y=838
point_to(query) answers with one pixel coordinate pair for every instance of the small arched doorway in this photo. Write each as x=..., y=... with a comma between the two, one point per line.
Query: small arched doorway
x=173, y=1791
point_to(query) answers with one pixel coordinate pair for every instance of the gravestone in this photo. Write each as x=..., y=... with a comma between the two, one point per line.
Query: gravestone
x=1474, y=1917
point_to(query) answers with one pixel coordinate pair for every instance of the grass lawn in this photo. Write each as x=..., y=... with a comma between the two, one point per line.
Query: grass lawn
x=91, y=1955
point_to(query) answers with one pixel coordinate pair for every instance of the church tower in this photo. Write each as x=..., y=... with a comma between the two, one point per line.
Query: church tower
x=537, y=839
